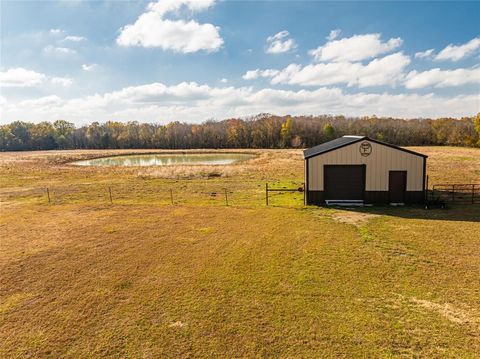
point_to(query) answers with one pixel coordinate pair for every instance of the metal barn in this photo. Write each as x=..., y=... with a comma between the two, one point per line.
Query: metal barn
x=358, y=170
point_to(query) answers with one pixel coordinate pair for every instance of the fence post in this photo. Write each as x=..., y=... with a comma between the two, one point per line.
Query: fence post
x=426, y=190
x=226, y=197
x=171, y=195
x=304, y=194
x=266, y=193
x=110, y=193
x=48, y=195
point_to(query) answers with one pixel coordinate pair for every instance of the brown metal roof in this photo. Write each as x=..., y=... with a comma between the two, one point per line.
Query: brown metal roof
x=345, y=141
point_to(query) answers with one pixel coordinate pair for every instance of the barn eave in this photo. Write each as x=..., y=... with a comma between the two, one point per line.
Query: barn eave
x=346, y=141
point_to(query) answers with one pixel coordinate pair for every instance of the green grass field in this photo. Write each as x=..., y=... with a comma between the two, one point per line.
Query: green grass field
x=141, y=278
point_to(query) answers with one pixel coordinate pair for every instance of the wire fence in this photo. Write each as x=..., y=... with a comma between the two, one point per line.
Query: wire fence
x=225, y=193
x=220, y=193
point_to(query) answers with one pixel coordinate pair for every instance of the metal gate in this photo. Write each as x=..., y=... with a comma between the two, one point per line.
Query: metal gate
x=455, y=193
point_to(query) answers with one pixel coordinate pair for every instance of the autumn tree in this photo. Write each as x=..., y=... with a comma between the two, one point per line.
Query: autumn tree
x=262, y=131
x=328, y=131
x=476, y=125
x=286, y=132
x=63, y=133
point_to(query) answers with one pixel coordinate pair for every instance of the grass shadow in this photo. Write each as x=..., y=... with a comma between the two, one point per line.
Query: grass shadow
x=463, y=213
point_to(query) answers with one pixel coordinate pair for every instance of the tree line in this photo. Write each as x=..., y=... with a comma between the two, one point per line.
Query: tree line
x=262, y=131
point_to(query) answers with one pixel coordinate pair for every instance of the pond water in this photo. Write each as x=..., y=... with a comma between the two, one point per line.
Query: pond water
x=168, y=159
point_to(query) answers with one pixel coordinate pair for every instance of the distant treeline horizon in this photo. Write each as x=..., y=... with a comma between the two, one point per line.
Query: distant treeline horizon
x=262, y=131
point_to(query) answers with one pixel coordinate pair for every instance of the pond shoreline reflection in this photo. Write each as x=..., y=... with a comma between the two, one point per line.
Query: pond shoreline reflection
x=145, y=160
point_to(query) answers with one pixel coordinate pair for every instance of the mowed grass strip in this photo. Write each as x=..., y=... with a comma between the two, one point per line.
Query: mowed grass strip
x=203, y=281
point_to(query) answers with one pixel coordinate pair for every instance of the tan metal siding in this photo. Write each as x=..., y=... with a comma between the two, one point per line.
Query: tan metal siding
x=381, y=160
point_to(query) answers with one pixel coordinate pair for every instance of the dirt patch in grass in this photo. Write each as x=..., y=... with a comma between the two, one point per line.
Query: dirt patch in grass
x=177, y=324
x=352, y=217
x=453, y=314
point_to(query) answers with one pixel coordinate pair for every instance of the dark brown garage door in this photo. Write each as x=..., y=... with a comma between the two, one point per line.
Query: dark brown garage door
x=344, y=182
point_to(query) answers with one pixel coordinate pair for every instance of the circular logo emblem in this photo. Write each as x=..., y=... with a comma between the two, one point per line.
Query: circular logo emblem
x=365, y=149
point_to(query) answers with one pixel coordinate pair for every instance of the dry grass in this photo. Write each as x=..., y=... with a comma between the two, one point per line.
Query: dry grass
x=144, y=279
x=260, y=166
x=190, y=172
x=193, y=282
x=452, y=164
x=445, y=164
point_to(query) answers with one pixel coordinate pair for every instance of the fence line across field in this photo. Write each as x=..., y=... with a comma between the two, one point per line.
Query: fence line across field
x=111, y=197
x=151, y=193
x=227, y=193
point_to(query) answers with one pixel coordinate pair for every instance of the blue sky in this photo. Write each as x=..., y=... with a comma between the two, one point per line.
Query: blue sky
x=190, y=61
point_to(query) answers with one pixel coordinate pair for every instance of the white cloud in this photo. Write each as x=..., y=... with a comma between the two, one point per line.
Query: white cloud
x=223, y=81
x=158, y=92
x=56, y=31
x=74, y=38
x=280, y=43
x=152, y=29
x=45, y=101
x=423, y=54
x=53, y=50
x=254, y=74
x=20, y=77
x=355, y=48
x=89, y=67
x=384, y=71
x=62, y=81
x=165, y=6
x=251, y=74
x=194, y=102
x=334, y=34
x=442, y=78
x=455, y=53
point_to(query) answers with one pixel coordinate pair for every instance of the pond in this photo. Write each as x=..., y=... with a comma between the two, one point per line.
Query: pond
x=168, y=159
